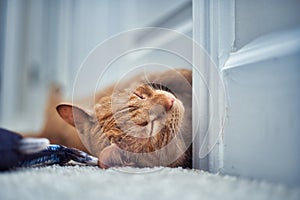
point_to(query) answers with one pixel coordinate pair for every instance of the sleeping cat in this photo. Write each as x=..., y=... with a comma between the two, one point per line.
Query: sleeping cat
x=144, y=122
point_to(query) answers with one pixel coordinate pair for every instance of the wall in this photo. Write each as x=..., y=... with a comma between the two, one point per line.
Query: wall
x=256, y=18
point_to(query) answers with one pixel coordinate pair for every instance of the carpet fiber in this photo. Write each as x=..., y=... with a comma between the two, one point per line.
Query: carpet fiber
x=81, y=182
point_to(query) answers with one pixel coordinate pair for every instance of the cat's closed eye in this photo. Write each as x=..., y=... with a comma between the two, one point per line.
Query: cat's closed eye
x=145, y=123
x=139, y=95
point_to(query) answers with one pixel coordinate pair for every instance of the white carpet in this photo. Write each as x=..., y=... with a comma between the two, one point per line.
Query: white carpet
x=77, y=182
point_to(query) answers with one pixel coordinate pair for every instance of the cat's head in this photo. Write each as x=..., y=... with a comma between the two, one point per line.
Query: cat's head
x=144, y=111
x=143, y=118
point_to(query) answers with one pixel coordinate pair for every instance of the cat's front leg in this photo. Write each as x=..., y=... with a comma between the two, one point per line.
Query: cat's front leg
x=113, y=156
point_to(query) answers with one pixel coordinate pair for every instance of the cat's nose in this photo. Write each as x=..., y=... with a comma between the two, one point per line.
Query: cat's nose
x=169, y=102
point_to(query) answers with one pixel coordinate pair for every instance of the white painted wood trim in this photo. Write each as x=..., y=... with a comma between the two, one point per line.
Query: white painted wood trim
x=213, y=29
x=266, y=47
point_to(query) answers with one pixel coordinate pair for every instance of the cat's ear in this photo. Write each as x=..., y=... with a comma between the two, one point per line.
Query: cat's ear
x=73, y=114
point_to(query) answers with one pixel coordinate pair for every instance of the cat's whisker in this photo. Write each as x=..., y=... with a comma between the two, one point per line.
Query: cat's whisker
x=146, y=77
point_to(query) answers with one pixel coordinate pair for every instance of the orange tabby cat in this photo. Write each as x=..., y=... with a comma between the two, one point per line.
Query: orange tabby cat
x=145, y=123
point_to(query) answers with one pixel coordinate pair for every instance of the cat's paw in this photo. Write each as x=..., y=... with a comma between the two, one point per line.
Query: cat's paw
x=111, y=156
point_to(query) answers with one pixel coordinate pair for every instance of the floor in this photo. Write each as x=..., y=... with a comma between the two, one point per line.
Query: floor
x=81, y=182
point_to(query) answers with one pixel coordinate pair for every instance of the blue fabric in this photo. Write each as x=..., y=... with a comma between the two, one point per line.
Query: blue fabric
x=11, y=157
x=9, y=154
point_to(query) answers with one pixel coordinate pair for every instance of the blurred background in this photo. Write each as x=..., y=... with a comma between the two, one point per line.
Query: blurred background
x=44, y=42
